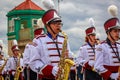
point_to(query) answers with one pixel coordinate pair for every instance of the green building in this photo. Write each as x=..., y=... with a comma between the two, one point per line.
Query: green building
x=22, y=20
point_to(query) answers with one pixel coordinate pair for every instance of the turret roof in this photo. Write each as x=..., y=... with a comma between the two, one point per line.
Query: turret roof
x=26, y=5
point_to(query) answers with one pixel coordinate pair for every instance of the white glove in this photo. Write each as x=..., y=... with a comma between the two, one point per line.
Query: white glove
x=55, y=70
x=114, y=76
x=13, y=73
x=91, y=63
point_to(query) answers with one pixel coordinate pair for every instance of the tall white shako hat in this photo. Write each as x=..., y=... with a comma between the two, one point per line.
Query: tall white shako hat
x=51, y=16
x=40, y=23
x=1, y=43
x=14, y=45
x=91, y=29
x=112, y=23
x=40, y=29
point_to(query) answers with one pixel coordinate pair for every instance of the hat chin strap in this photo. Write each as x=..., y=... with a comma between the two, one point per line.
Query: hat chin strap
x=90, y=39
x=51, y=29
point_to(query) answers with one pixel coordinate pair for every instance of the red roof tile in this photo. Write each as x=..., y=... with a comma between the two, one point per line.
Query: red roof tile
x=26, y=5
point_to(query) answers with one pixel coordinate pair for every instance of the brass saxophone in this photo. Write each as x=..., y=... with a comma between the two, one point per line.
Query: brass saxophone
x=1, y=69
x=65, y=63
x=18, y=68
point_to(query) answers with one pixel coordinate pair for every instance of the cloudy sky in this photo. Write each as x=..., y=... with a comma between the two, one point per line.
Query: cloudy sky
x=75, y=15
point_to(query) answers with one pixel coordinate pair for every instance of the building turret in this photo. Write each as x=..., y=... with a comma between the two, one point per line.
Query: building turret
x=22, y=20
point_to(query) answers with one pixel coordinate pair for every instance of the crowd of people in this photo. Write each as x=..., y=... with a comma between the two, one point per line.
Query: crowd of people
x=42, y=58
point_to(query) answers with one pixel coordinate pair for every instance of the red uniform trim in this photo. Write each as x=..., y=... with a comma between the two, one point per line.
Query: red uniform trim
x=92, y=59
x=113, y=46
x=51, y=55
x=54, y=42
x=91, y=55
x=54, y=61
x=47, y=72
x=10, y=72
x=116, y=62
x=112, y=69
x=114, y=57
x=90, y=52
x=54, y=48
x=106, y=75
x=42, y=35
x=103, y=42
x=87, y=66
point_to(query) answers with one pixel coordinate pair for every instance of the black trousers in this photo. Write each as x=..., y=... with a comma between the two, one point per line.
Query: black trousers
x=12, y=77
x=32, y=74
x=79, y=74
x=91, y=75
x=72, y=75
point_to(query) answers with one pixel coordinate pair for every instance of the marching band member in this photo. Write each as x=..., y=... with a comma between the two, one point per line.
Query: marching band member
x=49, y=46
x=1, y=61
x=28, y=73
x=13, y=62
x=1, y=55
x=87, y=53
x=108, y=52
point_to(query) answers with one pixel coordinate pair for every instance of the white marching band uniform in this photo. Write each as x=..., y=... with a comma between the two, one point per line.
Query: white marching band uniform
x=1, y=64
x=86, y=56
x=27, y=54
x=2, y=61
x=107, y=63
x=108, y=52
x=11, y=65
x=46, y=54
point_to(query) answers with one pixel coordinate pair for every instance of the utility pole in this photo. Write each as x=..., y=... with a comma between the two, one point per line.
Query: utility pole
x=59, y=6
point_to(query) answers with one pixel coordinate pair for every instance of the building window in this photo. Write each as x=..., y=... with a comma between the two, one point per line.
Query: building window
x=23, y=24
x=11, y=26
x=34, y=23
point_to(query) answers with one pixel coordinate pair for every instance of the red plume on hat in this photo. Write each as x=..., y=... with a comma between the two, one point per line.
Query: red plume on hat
x=91, y=30
x=112, y=23
x=14, y=45
x=51, y=16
